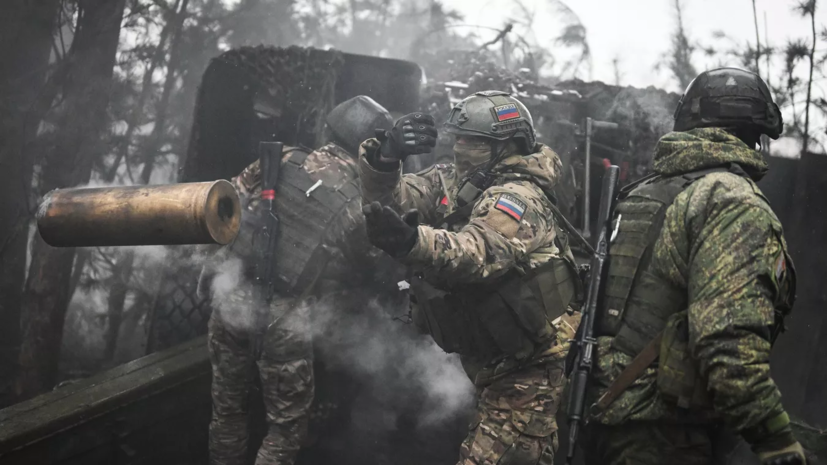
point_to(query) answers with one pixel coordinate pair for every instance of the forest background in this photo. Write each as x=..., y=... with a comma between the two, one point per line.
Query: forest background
x=101, y=92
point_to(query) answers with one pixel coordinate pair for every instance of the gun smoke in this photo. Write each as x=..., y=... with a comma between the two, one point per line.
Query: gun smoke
x=359, y=333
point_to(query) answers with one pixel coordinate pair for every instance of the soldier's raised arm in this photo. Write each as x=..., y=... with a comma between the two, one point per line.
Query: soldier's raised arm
x=380, y=167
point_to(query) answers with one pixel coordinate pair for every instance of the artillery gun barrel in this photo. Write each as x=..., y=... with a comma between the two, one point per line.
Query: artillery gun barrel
x=188, y=213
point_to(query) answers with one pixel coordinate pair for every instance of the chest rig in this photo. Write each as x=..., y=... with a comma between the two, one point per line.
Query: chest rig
x=645, y=314
x=308, y=212
x=511, y=316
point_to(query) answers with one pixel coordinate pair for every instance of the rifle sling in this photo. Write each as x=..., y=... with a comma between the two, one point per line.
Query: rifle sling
x=630, y=374
x=460, y=214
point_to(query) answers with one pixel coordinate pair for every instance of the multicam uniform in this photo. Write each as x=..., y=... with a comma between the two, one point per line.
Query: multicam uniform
x=474, y=292
x=321, y=251
x=722, y=258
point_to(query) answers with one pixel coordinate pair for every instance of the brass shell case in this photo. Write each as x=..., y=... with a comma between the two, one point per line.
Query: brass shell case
x=188, y=213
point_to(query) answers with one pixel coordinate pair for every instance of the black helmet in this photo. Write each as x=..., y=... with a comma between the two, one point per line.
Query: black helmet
x=492, y=114
x=355, y=120
x=728, y=97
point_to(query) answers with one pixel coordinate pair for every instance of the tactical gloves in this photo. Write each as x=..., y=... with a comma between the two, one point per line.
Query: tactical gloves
x=390, y=232
x=412, y=134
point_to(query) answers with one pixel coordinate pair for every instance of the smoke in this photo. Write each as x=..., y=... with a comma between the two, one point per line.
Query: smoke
x=357, y=333
x=395, y=361
x=231, y=295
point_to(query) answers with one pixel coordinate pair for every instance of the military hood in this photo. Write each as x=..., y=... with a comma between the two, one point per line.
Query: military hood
x=682, y=152
x=543, y=168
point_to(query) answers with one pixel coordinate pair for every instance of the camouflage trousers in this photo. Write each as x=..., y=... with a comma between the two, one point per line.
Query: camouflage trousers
x=285, y=367
x=514, y=421
x=648, y=443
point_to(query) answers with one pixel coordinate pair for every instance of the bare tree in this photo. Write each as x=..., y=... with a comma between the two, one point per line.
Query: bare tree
x=68, y=160
x=808, y=8
x=680, y=57
x=26, y=31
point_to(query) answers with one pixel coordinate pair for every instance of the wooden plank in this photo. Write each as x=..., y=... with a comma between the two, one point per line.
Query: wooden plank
x=42, y=400
x=105, y=394
x=154, y=429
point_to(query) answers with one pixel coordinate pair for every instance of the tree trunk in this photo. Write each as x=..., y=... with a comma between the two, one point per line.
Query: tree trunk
x=123, y=271
x=116, y=301
x=26, y=29
x=162, y=109
x=805, y=146
x=68, y=162
x=137, y=115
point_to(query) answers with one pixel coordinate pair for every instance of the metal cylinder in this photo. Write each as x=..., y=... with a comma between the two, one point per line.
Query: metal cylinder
x=189, y=213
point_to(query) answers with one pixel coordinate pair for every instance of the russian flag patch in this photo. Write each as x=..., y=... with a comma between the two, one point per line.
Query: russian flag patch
x=507, y=112
x=511, y=206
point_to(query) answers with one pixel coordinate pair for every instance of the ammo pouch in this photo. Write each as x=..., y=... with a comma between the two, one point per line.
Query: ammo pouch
x=508, y=317
x=678, y=379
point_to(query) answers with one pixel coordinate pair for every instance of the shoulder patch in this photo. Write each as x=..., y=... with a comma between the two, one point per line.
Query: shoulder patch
x=507, y=112
x=511, y=206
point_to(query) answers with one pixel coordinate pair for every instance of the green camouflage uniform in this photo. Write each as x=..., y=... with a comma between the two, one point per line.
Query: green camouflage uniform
x=281, y=347
x=722, y=244
x=516, y=399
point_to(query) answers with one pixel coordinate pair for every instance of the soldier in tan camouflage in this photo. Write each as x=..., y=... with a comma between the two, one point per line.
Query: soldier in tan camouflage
x=493, y=273
x=321, y=252
x=699, y=283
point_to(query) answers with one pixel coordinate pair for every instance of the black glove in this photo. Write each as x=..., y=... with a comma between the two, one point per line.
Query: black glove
x=412, y=134
x=390, y=232
x=790, y=455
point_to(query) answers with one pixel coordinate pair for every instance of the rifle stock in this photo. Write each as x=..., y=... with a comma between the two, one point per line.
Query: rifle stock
x=584, y=342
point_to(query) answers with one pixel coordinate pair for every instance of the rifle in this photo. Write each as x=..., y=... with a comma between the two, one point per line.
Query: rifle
x=584, y=341
x=270, y=154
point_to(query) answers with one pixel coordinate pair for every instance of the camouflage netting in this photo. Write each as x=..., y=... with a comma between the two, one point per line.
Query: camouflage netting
x=297, y=85
x=301, y=81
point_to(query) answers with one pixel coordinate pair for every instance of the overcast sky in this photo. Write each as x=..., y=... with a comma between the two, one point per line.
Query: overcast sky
x=638, y=31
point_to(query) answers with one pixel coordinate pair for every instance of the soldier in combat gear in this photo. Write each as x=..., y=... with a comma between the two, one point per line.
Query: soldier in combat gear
x=698, y=285
x=320, y=253
x=493, y=275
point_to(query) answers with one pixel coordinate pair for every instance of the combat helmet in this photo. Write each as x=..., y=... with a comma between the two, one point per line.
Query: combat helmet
x=355, y=120
x=728, y=97
x=493, y=114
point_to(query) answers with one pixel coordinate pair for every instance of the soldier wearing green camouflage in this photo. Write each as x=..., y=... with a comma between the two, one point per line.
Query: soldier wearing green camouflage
x=700, y=280
x=493, y=275
x=321, y=254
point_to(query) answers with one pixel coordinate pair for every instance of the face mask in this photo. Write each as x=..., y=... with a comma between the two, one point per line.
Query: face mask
x=470, y=156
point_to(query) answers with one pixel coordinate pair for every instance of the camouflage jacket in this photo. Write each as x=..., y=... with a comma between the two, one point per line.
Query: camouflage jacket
x=723, y=244
x=511, y=226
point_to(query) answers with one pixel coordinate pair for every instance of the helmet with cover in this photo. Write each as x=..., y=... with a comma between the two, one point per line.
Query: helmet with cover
x=495, y=115
x=729, y=98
